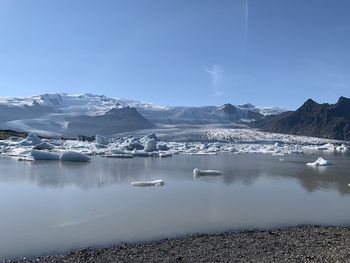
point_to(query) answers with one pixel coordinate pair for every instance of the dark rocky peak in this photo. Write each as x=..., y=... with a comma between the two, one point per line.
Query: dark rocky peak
x=342, y=101
x=229, y=108
x=122, y=111
x=309, y=103
x=312, y=106
x=341, y=108
x=247, y=106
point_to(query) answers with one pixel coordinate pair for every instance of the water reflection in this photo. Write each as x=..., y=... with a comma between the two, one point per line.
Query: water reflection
x=53, y=206
x=238, y=169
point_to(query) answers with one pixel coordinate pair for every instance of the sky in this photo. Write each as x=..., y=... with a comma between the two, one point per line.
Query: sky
x=178, y=52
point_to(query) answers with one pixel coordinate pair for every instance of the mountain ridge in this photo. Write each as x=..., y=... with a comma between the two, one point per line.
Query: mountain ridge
x=312, y=119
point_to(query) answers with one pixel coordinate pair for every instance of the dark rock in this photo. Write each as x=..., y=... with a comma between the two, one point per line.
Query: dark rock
x=312, y=119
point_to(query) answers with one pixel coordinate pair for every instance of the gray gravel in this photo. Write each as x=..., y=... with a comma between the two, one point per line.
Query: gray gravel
x=295, y=244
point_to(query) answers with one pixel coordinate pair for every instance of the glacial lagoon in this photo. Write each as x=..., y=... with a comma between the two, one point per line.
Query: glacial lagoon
x=49, y=206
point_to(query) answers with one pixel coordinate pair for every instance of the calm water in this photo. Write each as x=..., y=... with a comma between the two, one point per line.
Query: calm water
x=52, y=207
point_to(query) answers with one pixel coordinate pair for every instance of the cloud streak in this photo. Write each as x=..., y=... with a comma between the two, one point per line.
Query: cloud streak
x=245, y=12
x=215, y=73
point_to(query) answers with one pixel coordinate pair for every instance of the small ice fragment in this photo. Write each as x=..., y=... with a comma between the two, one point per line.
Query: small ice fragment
x=44, y=146
x=326, y=147
x=197, y=172
x=343, y=148
x=148, y=183
x=43, y=155
x=320, y=162
x=71, y=156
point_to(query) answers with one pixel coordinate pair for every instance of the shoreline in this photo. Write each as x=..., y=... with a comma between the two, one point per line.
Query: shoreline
x=289, y=244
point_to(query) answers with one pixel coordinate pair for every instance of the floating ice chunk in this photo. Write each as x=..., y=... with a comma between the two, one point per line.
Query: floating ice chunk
x=43, y=155
x=25, y=159
x=163, y=147
x=343, y=148
x=44, y=146
x=31, y=140
x=197, y=172
x=326, y=147
x=148, y=183
x=320, y=162
x=102, y=140
x=151, y=146
x=70, y=156
x=134, y=145
x=144, y=154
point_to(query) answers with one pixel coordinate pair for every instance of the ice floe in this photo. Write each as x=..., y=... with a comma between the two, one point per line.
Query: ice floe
x=148, y=183
x=320, y=162
x=197, y=172
x=44, y=155
x=31, y=140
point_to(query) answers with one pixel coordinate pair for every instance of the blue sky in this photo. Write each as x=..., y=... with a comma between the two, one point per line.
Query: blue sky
x=178, y=52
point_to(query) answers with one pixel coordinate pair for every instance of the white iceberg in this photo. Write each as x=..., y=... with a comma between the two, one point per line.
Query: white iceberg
x=197, y=172
x=148, y=183
x=44, y=155
x=70, y=156
x=31, y=140
x=343, y=148
x=151, y=146
x=326, y=147
x=320, y=162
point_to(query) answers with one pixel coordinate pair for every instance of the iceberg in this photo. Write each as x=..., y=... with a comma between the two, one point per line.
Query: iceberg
x=151, y=146
x=101, y=140
x=31, y=140
x=320, y=162
x=148, y=183
x=44, y=155
x=343, y=148
x=326, y=147
x=70, y=156
x=197, y=172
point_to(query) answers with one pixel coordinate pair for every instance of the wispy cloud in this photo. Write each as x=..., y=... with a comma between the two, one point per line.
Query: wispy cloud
x=215, y=73
x=245, y=11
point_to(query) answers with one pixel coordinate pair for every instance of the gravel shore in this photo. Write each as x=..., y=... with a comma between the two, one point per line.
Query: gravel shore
x=294, y=244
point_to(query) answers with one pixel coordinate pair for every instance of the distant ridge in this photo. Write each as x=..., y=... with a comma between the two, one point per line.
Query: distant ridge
x=113, y=121
x=312, y=119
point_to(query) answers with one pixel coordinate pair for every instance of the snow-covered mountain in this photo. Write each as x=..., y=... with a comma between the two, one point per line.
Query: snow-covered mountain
x=56, y=114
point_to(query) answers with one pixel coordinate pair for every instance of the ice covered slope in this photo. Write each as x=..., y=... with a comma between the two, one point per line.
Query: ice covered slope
x=58, y=114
